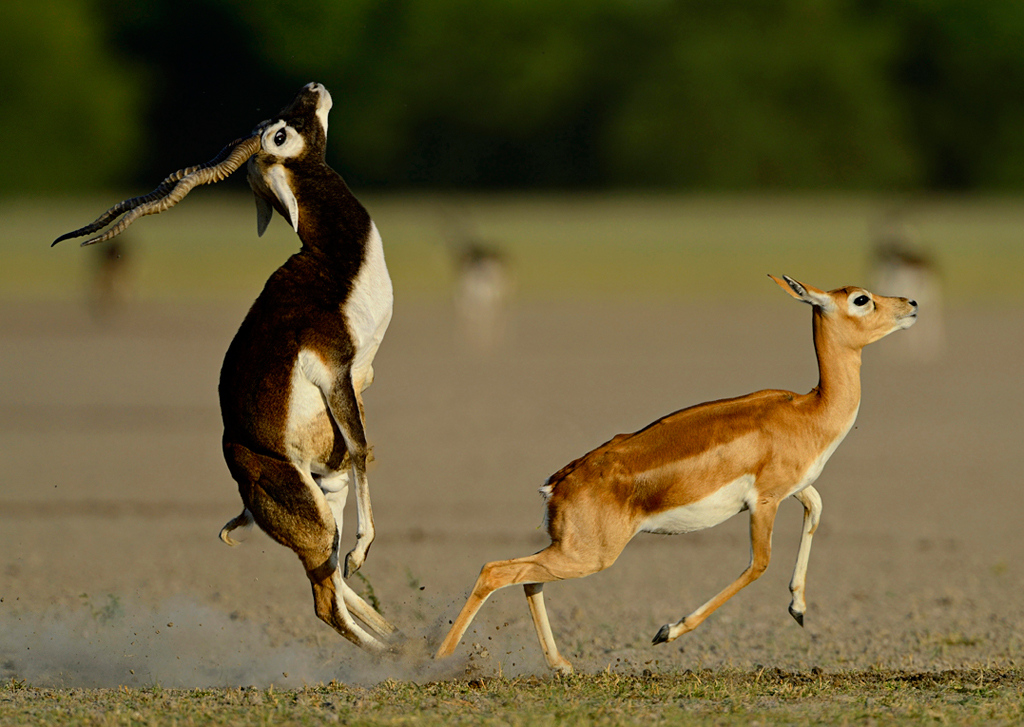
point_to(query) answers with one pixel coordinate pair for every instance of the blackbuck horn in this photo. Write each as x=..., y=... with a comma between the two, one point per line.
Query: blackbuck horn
x=171, y=191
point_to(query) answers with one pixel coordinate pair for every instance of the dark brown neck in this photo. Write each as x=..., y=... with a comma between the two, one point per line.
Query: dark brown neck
x=332, y=222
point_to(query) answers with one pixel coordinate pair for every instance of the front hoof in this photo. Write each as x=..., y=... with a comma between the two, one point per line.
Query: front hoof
x=798, y=615
x=662, y=636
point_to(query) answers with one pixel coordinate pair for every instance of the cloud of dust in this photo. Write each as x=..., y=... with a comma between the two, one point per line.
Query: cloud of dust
x=188, y=645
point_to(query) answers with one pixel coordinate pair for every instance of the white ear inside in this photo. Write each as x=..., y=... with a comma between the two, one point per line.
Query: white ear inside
x=264, y=211
x=278, y=178
x=821, y=300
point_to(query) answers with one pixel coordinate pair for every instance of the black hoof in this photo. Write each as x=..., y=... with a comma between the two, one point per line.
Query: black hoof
x=797, y=615
x=662, y=636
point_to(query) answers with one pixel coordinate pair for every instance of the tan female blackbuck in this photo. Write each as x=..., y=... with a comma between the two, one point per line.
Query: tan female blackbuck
x=700, y=466
x=292, y=381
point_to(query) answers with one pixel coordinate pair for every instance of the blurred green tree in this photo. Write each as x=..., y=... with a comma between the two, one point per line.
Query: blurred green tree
x=744, y=94
x=70, y=112
x=959, y=66
x=751, y=94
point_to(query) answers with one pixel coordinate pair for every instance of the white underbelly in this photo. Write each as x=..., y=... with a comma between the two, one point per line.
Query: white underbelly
x=717, y=507
x=368, y=307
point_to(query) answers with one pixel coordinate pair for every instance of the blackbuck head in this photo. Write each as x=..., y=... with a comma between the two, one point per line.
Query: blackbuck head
x=276, y=149
x=856, y=317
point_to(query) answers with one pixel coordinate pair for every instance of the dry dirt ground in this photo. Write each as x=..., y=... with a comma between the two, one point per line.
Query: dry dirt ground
x=112, y=491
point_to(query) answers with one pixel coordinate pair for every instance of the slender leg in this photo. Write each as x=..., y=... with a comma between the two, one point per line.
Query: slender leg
x=762, y=518
x=335, y=489
x=811, y=501
x=535, y=597
x=366, y=613
x=346, y=411
x=550, y=564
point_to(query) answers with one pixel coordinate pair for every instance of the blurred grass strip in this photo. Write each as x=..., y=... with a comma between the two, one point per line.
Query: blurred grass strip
x=560, y=245
x=705, y=697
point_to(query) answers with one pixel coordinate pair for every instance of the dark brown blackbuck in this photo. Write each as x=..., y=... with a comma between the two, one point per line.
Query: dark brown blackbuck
x=700, y=466
x=292, y=381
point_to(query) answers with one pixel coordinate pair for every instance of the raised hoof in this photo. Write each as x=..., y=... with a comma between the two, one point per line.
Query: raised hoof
x=798, y=615
x=350, y=566
x=662, y=636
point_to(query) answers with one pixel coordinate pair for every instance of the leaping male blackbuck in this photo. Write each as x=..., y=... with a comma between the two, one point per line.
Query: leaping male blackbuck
x=292, y=380
x=700, y=466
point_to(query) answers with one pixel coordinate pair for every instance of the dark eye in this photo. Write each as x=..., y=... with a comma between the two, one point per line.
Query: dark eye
x=861, y=300
x=279, y=137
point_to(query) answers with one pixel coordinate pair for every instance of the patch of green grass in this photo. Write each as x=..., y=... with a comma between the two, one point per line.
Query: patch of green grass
x=767, y=696
x=658, y=246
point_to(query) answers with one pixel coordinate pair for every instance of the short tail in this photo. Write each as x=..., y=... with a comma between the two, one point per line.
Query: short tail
x=244, y=521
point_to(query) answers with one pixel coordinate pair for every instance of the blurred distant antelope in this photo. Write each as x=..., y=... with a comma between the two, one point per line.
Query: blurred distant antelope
x=292, y=380
x=899, y=261
x=700, y=466
x=483, y=285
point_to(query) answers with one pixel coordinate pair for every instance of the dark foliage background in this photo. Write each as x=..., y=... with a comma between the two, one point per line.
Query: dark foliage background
x=682, y=94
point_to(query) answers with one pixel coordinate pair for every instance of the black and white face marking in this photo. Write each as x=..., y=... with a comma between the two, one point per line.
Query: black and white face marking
x=281, y=140
x=860, y=303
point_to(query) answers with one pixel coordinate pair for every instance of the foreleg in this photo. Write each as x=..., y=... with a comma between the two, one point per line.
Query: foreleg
x=811, y=501
x=762, y=519
x=346, y=411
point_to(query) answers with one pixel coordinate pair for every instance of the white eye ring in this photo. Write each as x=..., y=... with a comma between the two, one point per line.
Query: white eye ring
x=282, y=141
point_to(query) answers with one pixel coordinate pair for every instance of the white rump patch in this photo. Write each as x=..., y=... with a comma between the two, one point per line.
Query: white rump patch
x=717, y=507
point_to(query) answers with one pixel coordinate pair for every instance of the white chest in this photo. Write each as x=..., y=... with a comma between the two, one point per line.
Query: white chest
x=717, y=507
x=814, y=470
x=368, y=308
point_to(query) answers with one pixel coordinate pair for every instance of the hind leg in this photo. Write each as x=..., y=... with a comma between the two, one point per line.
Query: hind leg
x=289, y=506
x=335, y=489
x=550, y=564
x=535, y=597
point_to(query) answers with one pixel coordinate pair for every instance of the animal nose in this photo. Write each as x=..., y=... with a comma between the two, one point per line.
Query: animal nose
x=913, y=303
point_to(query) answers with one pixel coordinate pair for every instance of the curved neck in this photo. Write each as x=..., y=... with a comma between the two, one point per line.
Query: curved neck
x=838, y=369
x=331, y=219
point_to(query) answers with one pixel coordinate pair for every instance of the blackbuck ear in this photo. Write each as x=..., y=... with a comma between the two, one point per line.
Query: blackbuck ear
x=807, y=293
x=264, y=211
x=277, y=180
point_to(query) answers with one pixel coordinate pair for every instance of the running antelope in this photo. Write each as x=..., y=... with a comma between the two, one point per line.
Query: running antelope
x=700, y=466
x=292, y=380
